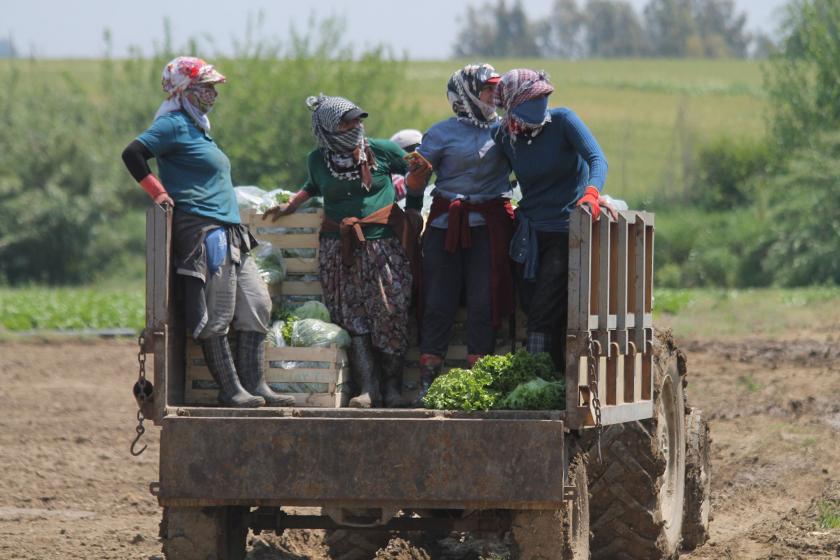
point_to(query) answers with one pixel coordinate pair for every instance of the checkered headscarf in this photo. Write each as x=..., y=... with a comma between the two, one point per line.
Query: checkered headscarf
x=463, y=90
x=347, y=153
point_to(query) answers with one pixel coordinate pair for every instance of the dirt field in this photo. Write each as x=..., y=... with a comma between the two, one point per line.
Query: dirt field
x=70, y=489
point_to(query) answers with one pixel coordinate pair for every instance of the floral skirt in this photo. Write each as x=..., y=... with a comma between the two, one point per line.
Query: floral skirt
x=372, y=295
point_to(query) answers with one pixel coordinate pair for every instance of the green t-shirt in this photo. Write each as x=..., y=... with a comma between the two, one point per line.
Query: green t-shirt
x=193, y=170
x=343, y=198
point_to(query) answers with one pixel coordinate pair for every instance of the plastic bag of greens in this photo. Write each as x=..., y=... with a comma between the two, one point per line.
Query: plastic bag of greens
x=275, y=334
x=537, y=394
x=269, y=261
x=314, y=332
x=253, y=198
x=280, y=196
x=313, y=310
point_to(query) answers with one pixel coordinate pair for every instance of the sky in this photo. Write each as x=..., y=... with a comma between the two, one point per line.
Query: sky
x=422, y=29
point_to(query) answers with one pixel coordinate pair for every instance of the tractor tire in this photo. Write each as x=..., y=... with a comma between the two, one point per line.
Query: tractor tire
x=555, y=534
x=638, y=488
x=698, y=481
x=210, y=533
x=356, y=544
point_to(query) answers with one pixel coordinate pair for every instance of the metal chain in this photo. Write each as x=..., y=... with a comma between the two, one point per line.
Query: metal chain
x=593, y=388
x=141, y=391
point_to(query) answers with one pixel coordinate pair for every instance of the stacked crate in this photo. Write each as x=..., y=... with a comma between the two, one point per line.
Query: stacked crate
x=314, y=376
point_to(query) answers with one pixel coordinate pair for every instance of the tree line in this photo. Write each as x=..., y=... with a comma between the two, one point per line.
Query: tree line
x=610, y=29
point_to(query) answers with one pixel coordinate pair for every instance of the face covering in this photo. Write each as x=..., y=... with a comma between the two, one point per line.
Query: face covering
x=532, y=111
x=201, y=97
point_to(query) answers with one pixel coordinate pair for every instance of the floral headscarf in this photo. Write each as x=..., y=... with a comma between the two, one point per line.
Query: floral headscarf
x=463, y=90
x=518, y=86
x=182, y=78
x=346, y=152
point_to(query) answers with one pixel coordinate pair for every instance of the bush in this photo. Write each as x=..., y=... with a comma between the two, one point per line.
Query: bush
x=804, y=221
x=727, y=172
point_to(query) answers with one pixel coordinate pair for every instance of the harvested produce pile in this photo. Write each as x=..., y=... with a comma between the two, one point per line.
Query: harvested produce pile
x=519, y=381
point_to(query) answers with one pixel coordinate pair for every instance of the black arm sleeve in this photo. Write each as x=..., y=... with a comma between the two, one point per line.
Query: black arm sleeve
x=136, y=157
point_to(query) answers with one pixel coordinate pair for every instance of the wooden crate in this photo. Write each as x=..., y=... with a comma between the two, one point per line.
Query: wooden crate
x=316, y=377
x=297, y=236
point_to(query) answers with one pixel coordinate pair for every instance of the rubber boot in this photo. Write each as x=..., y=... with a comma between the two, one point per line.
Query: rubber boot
x=430, y=368
x=392, y=379
x=538, y=342
x=219, y=360
x=250, y=364
x=365, y=373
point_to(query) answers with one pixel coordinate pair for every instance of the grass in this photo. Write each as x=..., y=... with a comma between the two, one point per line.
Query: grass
x=689, y=313
x=829, y=514
x=721, y=314
x=45, y=309
x=750, y=383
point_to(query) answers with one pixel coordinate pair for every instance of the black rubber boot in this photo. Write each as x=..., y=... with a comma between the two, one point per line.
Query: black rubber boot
x=250, y=363
x=430, y=368
x=219, y=360
x=365, y=373
x=392, y=379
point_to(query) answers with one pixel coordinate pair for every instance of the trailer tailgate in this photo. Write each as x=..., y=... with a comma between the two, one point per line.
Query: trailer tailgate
x=424, y=462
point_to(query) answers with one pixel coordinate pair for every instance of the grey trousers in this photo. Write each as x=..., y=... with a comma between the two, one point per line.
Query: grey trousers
x=236, y=294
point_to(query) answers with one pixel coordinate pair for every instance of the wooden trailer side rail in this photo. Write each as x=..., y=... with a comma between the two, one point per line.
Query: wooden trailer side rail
x=609, y=318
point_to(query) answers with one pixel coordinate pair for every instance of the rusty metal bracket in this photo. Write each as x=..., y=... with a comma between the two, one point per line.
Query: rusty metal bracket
x=570, y=493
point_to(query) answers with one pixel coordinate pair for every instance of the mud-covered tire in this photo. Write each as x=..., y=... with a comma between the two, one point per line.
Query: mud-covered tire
x=353, y=544
x=210, y=533
x=638, y=489
x=555, y=534
x=698, y=481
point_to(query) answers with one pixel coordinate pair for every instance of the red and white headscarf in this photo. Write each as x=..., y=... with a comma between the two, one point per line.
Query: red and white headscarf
x=518, y=86
x=180, y=78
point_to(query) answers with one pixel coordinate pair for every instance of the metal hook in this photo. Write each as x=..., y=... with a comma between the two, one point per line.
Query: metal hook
x=140, y=431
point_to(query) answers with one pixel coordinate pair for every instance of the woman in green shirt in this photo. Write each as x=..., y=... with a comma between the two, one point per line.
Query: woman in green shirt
x=365, y=271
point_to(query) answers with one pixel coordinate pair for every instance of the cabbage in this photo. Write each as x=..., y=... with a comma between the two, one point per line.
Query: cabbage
x=313, y=310
x=314, y=332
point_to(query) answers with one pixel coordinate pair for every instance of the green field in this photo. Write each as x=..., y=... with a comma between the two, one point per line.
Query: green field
x=649, y=115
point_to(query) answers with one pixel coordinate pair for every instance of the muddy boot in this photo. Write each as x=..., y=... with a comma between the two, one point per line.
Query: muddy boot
x=250, y=363
x=430, y=368
x=365, y=373
x=219, y=360
x=392, y=379
x=538, y=342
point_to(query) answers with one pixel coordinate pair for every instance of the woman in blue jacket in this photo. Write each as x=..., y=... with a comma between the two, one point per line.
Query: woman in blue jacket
x=559, y=165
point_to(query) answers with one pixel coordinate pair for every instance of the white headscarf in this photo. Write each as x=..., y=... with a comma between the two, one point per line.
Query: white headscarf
x=180, y=74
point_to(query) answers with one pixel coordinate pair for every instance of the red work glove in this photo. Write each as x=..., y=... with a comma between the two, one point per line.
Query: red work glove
x=155, y=190
x=590, y=197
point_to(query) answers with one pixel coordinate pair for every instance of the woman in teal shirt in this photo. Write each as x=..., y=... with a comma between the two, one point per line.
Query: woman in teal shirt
x=365, y=271
x=211, y=246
